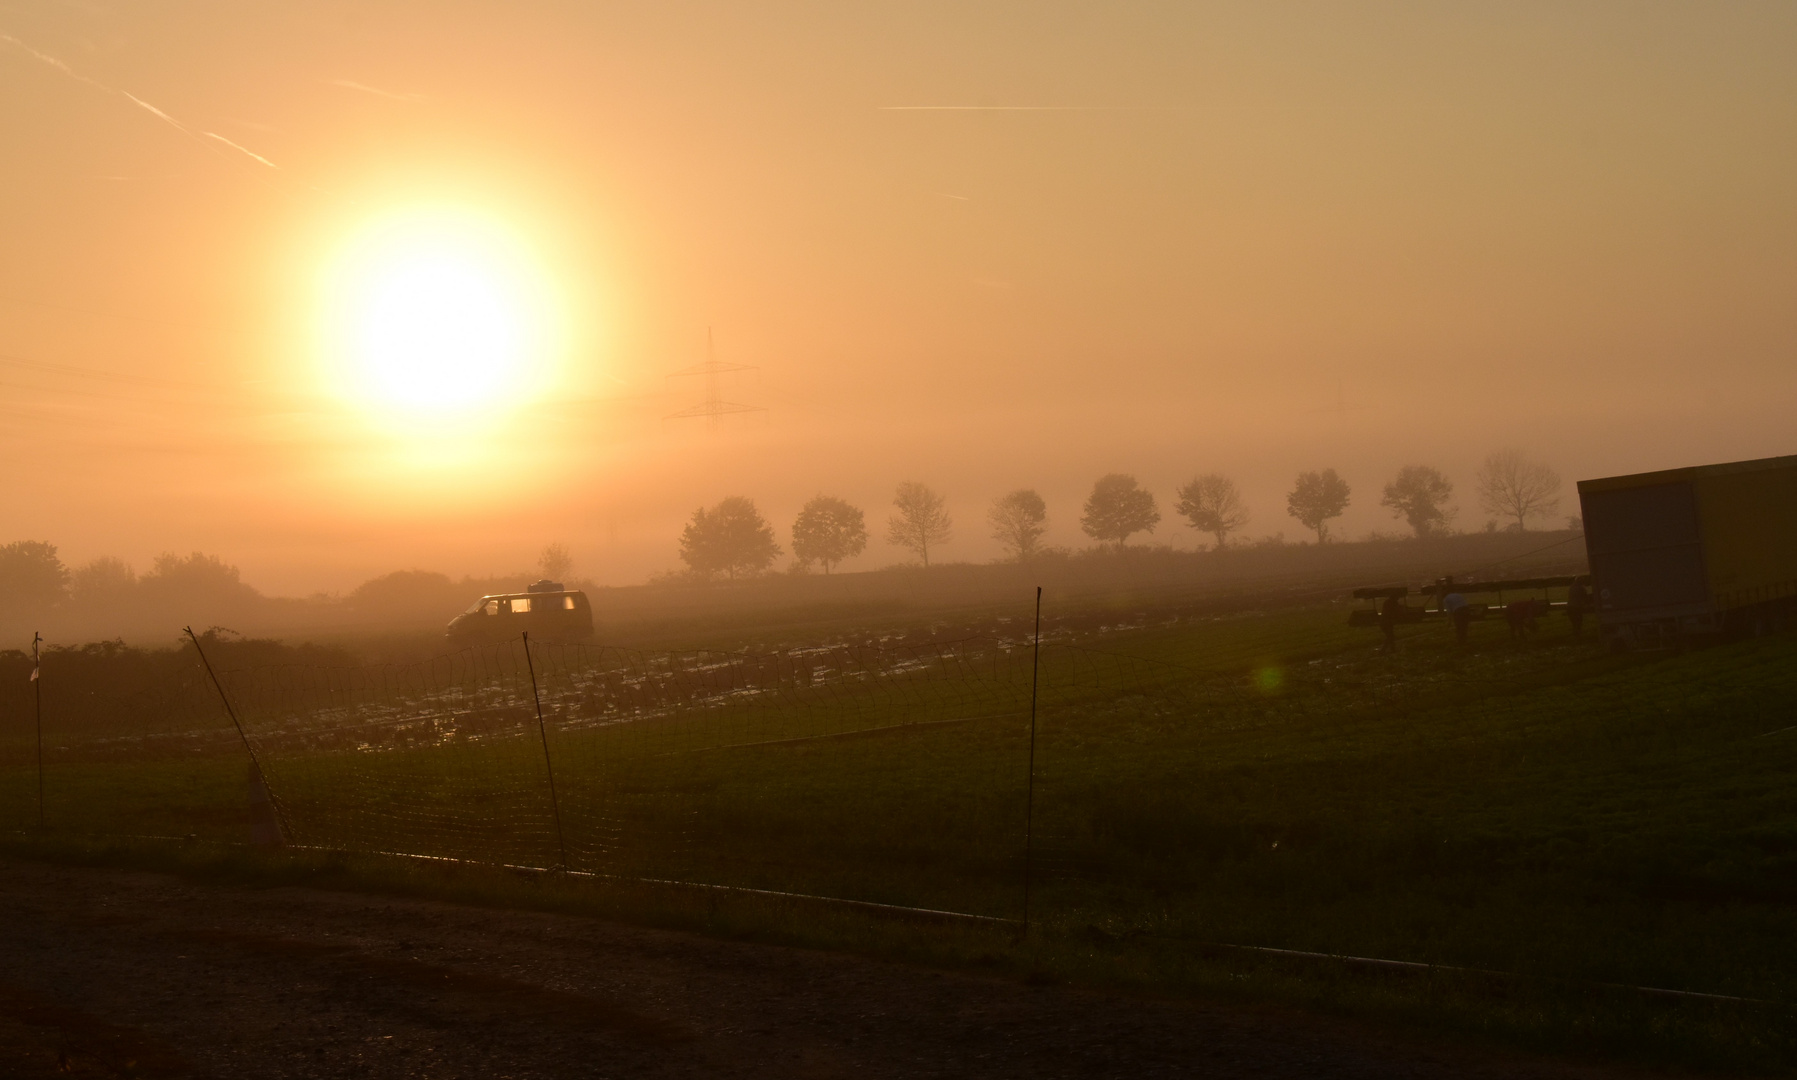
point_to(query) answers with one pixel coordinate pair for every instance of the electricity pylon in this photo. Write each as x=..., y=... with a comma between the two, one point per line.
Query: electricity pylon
x=714, y=406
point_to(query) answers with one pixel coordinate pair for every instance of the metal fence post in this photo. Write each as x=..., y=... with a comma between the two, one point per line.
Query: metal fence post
x=1029, y=803
x=280, y=823
x=37, y=690
x=555, y=805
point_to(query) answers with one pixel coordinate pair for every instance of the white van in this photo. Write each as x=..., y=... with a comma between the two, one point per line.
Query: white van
x=546, y=609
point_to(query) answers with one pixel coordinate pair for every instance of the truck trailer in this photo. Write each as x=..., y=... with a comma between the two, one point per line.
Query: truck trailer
x=1698, y=551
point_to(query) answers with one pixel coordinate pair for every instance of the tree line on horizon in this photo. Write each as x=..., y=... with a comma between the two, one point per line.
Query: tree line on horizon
x=36, y=582
x=732, y=537
x=34, y=579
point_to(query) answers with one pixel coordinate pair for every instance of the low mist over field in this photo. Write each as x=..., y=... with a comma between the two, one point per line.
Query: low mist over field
x=207, y=592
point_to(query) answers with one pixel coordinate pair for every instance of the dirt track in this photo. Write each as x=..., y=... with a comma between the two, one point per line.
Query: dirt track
x=108, y=973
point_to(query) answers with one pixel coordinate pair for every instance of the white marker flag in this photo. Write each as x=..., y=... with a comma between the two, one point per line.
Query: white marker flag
x=34, y=640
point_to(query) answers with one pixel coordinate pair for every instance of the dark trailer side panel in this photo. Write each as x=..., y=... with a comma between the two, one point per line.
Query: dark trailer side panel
x=1700, y=550
x=1646, y=549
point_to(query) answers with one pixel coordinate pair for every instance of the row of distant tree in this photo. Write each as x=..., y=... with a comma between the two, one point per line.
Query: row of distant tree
x=107, y=593
x=733, y=539
x=34, y=578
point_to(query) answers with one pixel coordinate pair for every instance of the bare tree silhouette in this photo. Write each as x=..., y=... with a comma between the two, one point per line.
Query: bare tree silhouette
x=1511, y=485
x=922, y=520
x=555, y=562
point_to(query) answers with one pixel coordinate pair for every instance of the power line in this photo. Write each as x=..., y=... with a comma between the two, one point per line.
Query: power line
x=714, y=406
x=1524, y=555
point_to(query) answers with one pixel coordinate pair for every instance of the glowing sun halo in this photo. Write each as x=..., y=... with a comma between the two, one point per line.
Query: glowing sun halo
x=437, y=313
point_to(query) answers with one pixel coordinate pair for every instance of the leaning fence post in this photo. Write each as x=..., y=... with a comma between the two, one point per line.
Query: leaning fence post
x=1029, y=799
x=555, y=805
x=257, y=776
x=265, y=827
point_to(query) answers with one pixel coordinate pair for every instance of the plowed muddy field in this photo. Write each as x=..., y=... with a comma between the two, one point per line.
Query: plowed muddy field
x=112, y=973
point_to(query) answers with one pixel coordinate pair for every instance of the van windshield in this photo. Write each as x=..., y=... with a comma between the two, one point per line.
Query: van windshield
x=476, y=606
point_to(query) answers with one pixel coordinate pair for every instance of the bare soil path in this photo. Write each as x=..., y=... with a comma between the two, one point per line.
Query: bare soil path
x=114, y=973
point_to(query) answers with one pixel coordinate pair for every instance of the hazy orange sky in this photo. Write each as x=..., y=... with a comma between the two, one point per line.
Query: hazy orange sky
x=1154, y=238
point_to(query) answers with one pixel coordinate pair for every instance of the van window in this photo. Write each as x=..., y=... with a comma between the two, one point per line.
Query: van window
x=520, y=604
x=567, y=603
x=491, y=607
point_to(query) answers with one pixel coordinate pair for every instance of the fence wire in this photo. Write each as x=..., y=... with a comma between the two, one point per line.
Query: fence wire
x=718, y=766
x=892, y=774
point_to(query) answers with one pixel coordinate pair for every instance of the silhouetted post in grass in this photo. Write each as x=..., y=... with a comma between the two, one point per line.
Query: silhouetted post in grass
x=1029, y=798
x=255, y=762
x=37, y=690
x=555, y=806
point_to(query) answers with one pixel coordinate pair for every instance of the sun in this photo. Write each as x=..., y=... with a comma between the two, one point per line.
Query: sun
x=437, y=313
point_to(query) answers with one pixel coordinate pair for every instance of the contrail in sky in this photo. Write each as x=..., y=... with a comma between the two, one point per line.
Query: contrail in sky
x=239, y=149
x=51, y=60
x=153, y=110
x=132, y=98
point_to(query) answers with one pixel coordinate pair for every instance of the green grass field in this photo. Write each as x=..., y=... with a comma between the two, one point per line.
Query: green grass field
x=1569, y=822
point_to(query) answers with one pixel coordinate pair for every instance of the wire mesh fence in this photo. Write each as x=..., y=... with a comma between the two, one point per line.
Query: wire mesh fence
x=893, y=774
x=896, y=774
x=725, y=767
